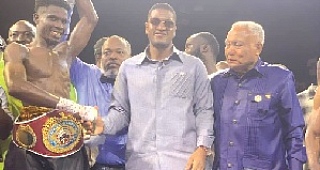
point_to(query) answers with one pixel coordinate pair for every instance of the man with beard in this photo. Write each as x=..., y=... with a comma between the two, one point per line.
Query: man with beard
x=38, y=74
x=205, y=46
x=164, y=97
x=21, y=32
x=94, y=85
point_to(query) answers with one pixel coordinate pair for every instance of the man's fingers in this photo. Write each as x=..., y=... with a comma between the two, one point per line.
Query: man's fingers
x=87, y=125
x=189, y=164
x=98, y=126
x=77, y=116
x=196, y=165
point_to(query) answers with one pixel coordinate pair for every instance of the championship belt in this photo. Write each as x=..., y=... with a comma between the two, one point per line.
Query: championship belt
x=47, y=132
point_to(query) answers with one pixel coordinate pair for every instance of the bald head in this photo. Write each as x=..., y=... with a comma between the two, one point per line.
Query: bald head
x=22, y=32
x=205, y=46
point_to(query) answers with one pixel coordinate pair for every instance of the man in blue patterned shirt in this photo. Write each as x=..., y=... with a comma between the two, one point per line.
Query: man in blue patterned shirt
x=259, y=122
x=94, y=86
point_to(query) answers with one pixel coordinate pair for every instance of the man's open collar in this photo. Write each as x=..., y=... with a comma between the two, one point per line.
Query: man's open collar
x=256, y=71
x=143, y=57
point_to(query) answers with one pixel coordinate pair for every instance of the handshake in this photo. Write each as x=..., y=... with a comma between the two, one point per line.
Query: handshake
x=88, y=115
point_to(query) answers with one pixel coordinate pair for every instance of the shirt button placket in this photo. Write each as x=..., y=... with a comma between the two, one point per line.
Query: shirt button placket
x=229, y=165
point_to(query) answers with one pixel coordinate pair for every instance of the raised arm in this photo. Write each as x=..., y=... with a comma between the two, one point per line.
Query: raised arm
x=81, y=33
x=16, y=79
x=313, y=139
x=316, y=100
x=19, y=87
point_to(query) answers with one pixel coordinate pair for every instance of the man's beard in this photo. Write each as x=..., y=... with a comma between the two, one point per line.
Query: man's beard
x=112, y=73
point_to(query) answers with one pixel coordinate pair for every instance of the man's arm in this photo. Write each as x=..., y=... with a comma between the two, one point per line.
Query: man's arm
x=6, y=117
x=204, y=119
x=313, y=140
x=16, y=79
x=292, y=120
x=81, y=33
x=313, y=129
x=19, y=87
x=316, y=99
x=119, y=111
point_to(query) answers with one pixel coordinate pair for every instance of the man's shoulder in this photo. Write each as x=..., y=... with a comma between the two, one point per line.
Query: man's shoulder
x=78, y=62
x=220, y=73
x=79, y=67
x=274, y=70
x=136, y=59
x=15, y=50
x=187, y=58
x=308, y=93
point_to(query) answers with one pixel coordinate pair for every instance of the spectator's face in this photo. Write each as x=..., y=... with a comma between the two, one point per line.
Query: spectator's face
x=192, y=46
x=242, y=50
x=20, y=33
x=114, y=52
x=98, y=59
x=161, y=28
x=52, y=23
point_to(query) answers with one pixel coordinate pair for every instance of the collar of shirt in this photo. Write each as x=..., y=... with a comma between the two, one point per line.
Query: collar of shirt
x=254, y=72
x=145, y=58
x=107, y=79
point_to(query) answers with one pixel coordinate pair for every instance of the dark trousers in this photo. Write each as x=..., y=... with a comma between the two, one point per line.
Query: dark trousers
x=17, y=159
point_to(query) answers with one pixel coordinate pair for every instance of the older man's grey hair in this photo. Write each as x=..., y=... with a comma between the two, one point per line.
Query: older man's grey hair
x=253, y=28
x=125, y=42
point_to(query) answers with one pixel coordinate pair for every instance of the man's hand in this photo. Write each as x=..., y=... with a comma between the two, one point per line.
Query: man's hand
x=98, y=126
x=95, y=127
x=197, y=161
x=87, y=113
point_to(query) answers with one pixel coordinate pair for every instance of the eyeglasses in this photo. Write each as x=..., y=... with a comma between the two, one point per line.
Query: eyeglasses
x=167, y=23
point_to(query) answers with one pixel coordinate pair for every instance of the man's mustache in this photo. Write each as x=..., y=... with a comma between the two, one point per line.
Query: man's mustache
x=112, y=63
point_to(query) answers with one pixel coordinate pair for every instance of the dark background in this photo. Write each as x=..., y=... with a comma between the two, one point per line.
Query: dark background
x=292, y=26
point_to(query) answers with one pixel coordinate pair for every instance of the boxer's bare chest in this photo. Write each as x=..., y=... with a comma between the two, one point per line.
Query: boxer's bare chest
x=48, y=70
